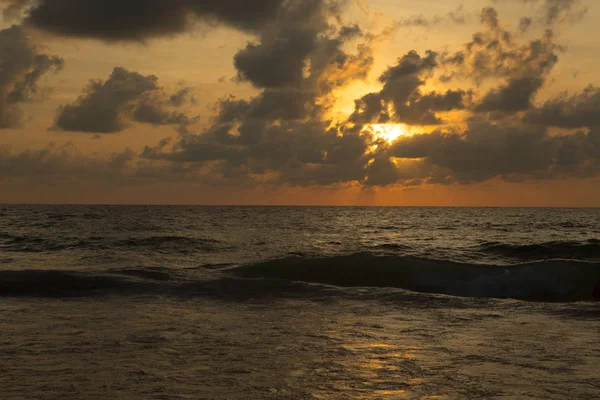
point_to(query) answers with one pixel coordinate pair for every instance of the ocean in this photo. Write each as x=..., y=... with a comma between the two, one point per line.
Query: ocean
x=157, y=302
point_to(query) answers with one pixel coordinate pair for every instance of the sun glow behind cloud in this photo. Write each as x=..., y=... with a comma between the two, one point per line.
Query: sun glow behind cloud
x=390, y=132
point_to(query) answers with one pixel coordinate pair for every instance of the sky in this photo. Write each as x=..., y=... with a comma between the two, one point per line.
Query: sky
x=300, y=102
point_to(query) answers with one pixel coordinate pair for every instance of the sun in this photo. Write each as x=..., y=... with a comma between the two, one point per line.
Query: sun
x=390, y=132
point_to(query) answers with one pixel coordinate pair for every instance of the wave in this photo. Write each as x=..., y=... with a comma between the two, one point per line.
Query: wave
x=39, y=283
x=150, y=273
x=31, y=244
x=588, y=250
x=553, y=280
x=141, y=281
x=548, y=281
x=181, y=244
x=391, y=247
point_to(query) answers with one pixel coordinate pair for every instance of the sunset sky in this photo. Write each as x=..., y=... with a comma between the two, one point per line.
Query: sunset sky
x=303, y=102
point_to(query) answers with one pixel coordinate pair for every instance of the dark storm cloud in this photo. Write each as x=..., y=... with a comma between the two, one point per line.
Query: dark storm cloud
x=311, y=157
x=271, y=105
x=301, y=86
x=285, y=140
x=151, y=110
x=283, y=132
x=283, y=135
x=401, y=98
x=300, y=49
x=140, y=19
x=291, y=145
x=483, y=152
x=422, y=109
x=298, y=154
x=577, y=111
x=21, y=67
x=276, y=64
x=298, y=62
x=515, y=96
x=286, y=104
x=494, y=53
x=109, y=106
x=510, y=151
x=101, y=109
x=279, y=58
x=504, y=148
x=182, y=97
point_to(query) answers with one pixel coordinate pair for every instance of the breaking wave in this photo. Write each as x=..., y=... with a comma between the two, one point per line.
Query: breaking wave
x=553, y=280
x=588, y=250
x=38, y=283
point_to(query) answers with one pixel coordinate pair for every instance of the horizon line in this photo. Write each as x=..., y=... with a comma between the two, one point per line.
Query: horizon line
x=287, y=205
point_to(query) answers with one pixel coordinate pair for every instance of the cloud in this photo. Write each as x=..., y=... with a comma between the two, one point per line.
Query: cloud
x=401, y=98
x=182, y=97
x=13, y=11
x=513, y=152
x=525, y=23
x=551, y=13
x=61, y=162
x=275, y=64
x=302, y=50
x=581, y=110
x=517, y=95
x=20, y=73
x=151, y=110
x=280, y=104
x=560, y=11
x=284, y=135
x=292, y=147
x=67, y=165
x=496, y=53
x=313, y=157
x=279, y=58
x=110, y=106
x=137, y=20
x=457, y=16
x=280, y=134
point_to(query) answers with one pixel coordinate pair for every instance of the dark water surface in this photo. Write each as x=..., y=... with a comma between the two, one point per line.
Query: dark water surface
x=139, y=302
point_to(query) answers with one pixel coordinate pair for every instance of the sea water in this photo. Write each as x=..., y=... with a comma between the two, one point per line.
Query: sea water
x=142, y=302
